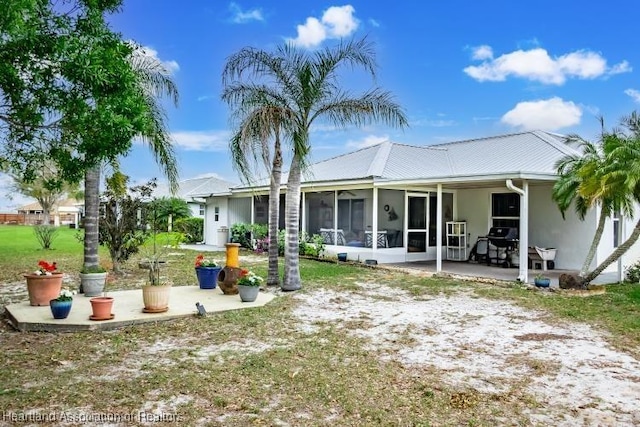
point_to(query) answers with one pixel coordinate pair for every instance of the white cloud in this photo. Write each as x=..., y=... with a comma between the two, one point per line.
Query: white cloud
x=634, y=94
x=548, y=114
x=537, y=65
x=242, y=17
x=171, y=66
x=374, y=23
x=336, y=22
x=201, y=140
x=367, y=141
x=483, y=52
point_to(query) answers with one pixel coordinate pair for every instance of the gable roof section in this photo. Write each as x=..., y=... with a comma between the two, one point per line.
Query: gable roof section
x=190, y=189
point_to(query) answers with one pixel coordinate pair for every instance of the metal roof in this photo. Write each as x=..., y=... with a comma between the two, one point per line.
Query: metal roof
x=525, y=153
x=196, y=188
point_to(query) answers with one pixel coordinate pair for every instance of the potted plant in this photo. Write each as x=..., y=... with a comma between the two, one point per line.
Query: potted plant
x=92, y=280
x=61, y=306
x=155, y=294
x=249, y=285
x=44, y=284
x=541, y=281
x=207, y=271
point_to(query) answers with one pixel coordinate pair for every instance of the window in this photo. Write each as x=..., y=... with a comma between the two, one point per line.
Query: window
x=616, y=229
x=216, y=213
x=202, y=207
x=505, y=210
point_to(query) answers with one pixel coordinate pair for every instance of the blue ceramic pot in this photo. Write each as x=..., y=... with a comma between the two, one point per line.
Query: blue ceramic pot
x=208, y=277
x=542, y=283
x=60, y=309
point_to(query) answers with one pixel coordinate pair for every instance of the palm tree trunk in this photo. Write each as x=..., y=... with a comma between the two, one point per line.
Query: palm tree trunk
x=91, y=210
x=620, y=250
x=273, y=278
x=594, y=244
x=292, y=280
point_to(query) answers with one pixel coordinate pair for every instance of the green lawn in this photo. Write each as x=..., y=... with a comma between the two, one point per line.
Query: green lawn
x=168, y=365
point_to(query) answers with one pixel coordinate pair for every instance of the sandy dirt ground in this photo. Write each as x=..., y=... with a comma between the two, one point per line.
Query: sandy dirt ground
x=489, y=345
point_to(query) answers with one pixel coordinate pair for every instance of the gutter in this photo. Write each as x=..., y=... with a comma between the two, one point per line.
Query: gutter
x=523, y=246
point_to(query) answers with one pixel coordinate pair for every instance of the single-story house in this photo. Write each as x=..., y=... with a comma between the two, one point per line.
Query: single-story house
x=193, y=191
x=65, y=212
x=396, y=203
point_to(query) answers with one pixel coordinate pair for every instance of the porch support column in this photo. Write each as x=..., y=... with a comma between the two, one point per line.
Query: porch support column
x=303, y=211
x=335, y=216
x=523, y=246
x=374, y=231
x=253, y=209
x=439, y=229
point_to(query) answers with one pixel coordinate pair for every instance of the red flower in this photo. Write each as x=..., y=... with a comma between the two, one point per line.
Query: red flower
x=244, y=272
x=45, y=266
x=199, y=259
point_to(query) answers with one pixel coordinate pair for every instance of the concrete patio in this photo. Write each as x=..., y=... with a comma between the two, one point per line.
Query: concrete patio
x=471, y=269
x=127, y=310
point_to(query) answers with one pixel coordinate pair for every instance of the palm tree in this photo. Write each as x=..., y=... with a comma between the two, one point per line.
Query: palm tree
x=579, y=183
x=305, y=85
x=621, y=181
x=251, y=142
x=154, y=81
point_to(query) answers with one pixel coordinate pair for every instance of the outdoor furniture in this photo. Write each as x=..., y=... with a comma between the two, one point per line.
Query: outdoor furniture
x=382, y=241
x=328, y=236
x=542, y=257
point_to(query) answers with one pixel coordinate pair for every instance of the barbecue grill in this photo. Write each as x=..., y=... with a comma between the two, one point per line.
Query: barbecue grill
x=505, y=239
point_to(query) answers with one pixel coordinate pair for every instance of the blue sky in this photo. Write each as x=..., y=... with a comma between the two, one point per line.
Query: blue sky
x=460, y=69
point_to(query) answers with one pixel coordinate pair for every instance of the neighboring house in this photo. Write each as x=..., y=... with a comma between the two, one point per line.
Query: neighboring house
x=391, y=202
x=67, y=211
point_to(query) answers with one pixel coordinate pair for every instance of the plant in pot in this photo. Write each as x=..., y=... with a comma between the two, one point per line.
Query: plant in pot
x=207, y=271
x=44, y=284
x=249, y=285
x=61, y=306
x=155, y=294
x=92, y=280
x=541, y=281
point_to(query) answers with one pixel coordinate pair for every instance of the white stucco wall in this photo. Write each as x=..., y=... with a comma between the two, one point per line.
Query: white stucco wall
x=546, y=227
x=211, y=226
x=194, y=207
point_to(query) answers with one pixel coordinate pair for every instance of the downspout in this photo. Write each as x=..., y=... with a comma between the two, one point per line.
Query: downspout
x=523, y=248
x=439, y=229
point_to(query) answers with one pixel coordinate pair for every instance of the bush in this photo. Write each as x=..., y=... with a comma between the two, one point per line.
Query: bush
x=632, y=273
x=245, y=233
x=309, y=246
x=241, y=233
x=45, y=235
x=192, y=228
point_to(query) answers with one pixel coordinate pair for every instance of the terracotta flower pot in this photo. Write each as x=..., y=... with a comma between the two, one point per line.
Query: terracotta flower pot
x=43, y=288
x=101, y=307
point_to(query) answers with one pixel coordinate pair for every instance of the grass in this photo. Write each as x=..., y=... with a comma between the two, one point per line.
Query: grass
x=254, y=366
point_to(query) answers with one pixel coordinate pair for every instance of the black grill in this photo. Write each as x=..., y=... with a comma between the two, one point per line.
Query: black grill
x=503, y=237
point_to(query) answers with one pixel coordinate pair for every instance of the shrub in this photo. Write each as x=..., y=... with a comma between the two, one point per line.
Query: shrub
x=241, y=233
x=192, y=228
x=45, y=235
x=632, y=273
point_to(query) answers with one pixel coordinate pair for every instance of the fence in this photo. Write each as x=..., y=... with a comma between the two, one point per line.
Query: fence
x=12, y=218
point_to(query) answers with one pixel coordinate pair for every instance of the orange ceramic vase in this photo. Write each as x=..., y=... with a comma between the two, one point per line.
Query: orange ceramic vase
x=43, y=288
x=232, y=254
